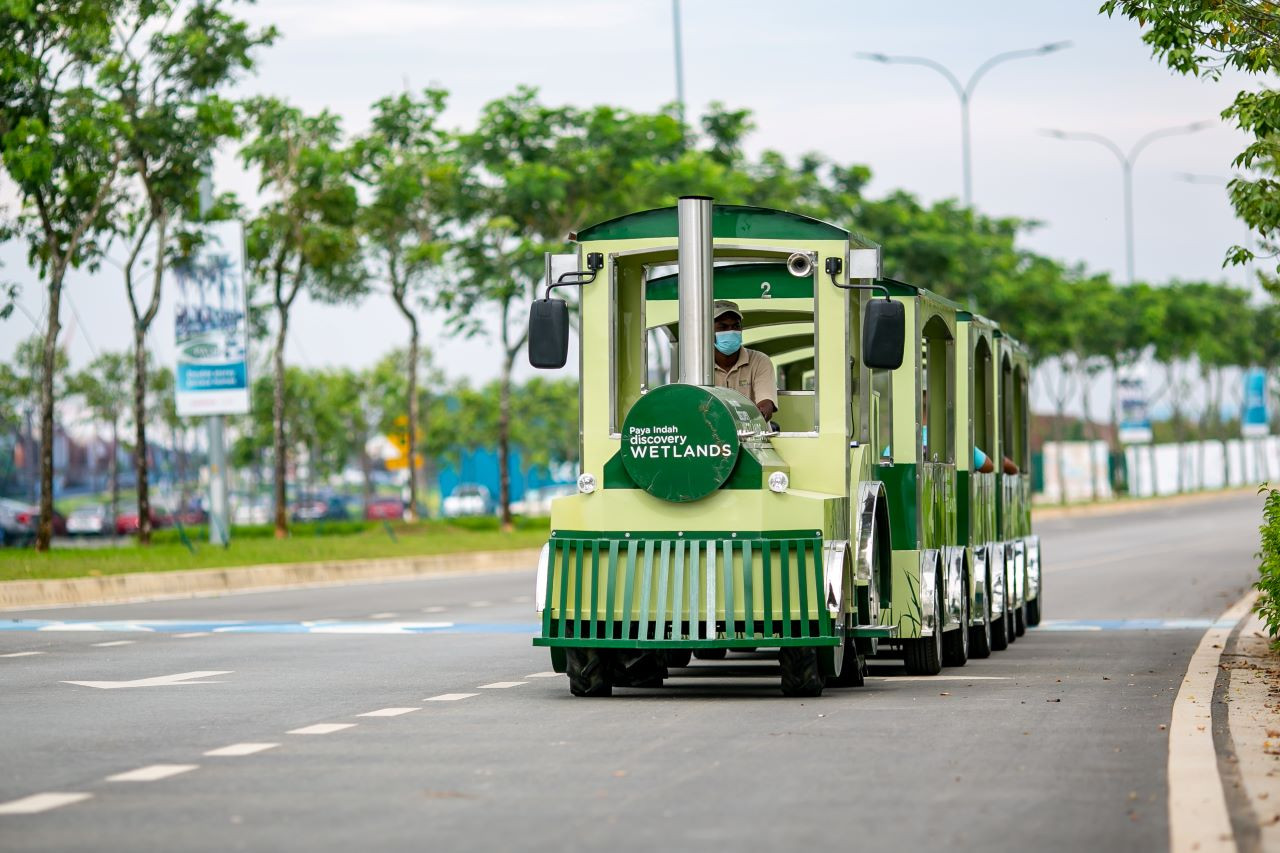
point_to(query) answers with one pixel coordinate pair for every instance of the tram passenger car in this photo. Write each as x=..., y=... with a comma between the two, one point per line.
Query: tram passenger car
x=853, y=526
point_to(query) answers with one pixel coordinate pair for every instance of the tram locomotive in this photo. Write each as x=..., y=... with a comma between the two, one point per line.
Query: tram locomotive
x=855, y=525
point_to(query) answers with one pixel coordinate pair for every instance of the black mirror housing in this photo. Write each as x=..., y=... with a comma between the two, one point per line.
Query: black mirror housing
x=549, y=334
x=884, y=333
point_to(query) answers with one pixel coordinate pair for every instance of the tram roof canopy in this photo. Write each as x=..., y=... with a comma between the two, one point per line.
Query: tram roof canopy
x=727, y=221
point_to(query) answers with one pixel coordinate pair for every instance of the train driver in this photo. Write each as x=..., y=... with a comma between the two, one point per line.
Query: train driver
x=746, y=371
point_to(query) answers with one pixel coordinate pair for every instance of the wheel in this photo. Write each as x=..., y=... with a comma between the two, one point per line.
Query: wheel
x=676, y=657
x=801, y=671
x=955, y=644
x=1020, y=620
x=1010, y=620
x=588, y=671
x=923, y=655
x=850, y=668
x=1033, y=609
x=747, y=651
x=638, y=669
x=711, y=654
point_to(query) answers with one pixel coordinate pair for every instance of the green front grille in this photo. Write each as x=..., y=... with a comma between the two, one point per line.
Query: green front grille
x=685, y=591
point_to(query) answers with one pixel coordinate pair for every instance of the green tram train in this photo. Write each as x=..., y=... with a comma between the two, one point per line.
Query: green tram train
x=855, y=525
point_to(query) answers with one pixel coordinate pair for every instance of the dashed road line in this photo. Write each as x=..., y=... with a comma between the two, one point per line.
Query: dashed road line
x=388, y=712
x=20, y=654
x=190, y=634
x=501, y=685
x=480, y=604
x=321, y=729
x=111, y=643
x=543, y=675
x=937, y=678
x=386, y=615
x=37, y=803
x=436, y=609
x=450, y=697
x=239, y=749
x=152, y=773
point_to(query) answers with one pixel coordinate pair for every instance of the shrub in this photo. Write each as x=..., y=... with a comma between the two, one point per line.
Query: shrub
x=1268, y=585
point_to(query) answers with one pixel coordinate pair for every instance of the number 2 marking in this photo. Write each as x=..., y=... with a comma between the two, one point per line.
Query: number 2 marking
x=765, y=287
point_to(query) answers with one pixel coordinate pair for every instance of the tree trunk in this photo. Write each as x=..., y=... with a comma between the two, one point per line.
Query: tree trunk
x=504, y=441
x=49, y=354
x=140, y=433
x=277, y=426
x=113, y=472
x=1113, y=445
x=411, y=428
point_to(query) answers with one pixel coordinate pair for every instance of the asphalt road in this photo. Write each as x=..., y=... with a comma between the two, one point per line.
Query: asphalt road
x=1056, y=744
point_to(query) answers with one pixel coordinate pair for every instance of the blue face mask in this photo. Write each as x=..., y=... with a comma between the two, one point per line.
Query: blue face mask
x=727, y=343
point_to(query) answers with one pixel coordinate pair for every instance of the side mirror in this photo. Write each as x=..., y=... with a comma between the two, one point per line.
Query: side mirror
x=884, y=333
x=549, y=334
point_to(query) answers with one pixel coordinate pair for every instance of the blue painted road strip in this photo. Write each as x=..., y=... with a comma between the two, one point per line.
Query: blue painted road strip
x=1132, y=625
x=162, y=626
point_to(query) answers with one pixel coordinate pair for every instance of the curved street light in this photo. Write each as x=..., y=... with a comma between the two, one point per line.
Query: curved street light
x=964, y=91
x=1126, y=168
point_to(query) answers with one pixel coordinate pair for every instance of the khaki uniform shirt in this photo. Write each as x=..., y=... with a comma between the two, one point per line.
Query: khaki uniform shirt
x=752, y=375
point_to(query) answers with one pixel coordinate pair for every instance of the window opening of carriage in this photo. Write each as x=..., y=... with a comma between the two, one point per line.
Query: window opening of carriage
x=1008, y=437
x=1022, y=443
x=937, y=394
x=983, y=399
x=777, y=323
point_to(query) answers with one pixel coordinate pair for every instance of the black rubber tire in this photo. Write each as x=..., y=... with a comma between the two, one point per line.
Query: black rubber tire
x=923, y=655
x=853, y=667
x=955, y=644
x=801, y=671
x=980, y=635
x=588, y=671
x=711, y=654
x=638, y=669
x=1033, y=610
x=677, y=658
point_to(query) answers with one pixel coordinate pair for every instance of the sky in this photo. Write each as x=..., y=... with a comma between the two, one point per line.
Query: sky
x=793, y=66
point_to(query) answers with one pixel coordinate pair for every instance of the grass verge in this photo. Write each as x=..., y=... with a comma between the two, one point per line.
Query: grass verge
x=256, y=546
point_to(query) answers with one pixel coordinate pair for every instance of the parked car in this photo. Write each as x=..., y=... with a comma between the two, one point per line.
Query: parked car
x=388, y=509
x=468, y=499
x=90, y=520
x=319, y=508
x=537, y=502
x=18, y=522
x=127, y=522
x=193, y=513
x=251, y=511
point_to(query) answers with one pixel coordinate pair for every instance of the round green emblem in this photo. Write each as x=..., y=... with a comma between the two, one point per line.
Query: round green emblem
x=680, y=442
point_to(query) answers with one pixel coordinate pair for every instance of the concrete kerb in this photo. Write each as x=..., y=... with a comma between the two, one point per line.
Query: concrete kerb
x=104, y=589
x=1123, y=505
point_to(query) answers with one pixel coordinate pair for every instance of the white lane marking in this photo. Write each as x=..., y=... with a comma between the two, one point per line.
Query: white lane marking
x=238, y=749
x=543, y=675
x=522, y=599
x=37, y=803
x=501, y=685
x=181, y=678
x=937, y=678
x=20, y=654
x=1198, y=817
x=386, y=615
x=480, y=604
x=436, y=609
x=190, y=634
x=388, y=712
x=152, y=773
x=449, y=697
x=321, y=729
x=108, y=645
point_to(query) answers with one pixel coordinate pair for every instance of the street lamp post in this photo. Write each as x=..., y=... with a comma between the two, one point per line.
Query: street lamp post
x=679, y=50
x=965, y=91
x=1126, y=169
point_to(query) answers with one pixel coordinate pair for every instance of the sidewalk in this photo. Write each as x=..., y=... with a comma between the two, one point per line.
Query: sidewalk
x=1247, y=695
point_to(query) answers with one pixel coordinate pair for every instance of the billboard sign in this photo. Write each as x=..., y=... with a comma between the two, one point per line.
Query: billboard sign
x=1135, y=423
x=211, y=326
x=1253, y=420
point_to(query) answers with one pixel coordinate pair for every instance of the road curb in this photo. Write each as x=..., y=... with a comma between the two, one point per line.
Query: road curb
x=104, y=589
x=1118, y=507
x=1198, y=815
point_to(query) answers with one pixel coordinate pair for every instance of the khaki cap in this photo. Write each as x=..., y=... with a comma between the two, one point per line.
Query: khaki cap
x=724, y=306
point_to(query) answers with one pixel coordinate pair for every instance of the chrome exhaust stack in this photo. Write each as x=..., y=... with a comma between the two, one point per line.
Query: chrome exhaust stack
x=695, y=258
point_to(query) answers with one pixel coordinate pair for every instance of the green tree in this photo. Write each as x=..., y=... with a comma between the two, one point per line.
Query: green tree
x=545, y=422
x=1204, y=38
x=303, y=239
x=406, y=161
x=104, y=385
x=61, y=143
x=168, y=60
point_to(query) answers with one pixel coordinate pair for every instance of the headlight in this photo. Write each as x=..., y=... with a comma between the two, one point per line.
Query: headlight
x=778, y=481
x=587, y=483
